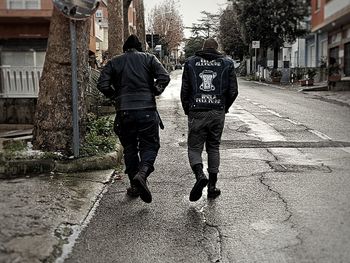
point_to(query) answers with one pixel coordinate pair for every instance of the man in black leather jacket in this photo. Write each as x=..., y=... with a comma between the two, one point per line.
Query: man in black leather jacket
x=129, y=80
x=209, y=87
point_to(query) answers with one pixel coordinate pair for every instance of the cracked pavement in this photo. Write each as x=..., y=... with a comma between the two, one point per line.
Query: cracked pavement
x=285, y=185
x=285, y=190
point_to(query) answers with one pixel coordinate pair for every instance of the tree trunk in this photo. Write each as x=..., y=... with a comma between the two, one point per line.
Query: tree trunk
x=115, y=27
x=126, y=4
x=140, y=23
x=53, y=117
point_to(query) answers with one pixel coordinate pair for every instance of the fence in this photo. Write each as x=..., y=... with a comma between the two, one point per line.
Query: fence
x=19, y=82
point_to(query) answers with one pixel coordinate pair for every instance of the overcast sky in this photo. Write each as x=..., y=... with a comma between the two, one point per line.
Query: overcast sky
x=190, y=9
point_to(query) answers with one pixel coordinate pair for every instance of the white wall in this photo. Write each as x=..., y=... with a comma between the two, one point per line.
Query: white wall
x=298, y=48
x=335, y=6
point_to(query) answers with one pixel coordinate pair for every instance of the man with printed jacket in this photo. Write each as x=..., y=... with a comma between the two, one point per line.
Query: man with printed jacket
x=133, y=79
x=209, y=88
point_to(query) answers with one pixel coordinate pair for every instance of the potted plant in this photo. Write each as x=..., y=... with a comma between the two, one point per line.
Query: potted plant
x=334, y=72
x=308, y=77
x=276, y=75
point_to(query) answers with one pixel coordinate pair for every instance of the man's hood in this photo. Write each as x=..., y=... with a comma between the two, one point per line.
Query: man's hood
x=209, y=54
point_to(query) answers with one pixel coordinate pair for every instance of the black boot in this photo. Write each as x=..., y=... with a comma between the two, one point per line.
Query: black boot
x=213, y=192
x=132, y=191
x=201, y=182
x=140, y=181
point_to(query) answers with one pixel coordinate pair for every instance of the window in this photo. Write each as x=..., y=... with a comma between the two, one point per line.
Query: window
x=296, y=59
x=311, y=56
x=347, y=59
x=99, y=13
x=23, y=58
x=318, y=5
x=336, y=38
x=23, y=4
x=324, y=48
x=334, y=53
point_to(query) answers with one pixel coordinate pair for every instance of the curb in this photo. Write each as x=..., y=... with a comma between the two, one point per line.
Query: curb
x=10, y=169
x=316, y=88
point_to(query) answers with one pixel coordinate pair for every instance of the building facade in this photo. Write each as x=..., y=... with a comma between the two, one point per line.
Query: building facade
x=24, y=31
x=330, y=27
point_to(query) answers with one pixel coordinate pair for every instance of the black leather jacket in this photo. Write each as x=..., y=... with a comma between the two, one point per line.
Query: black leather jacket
x=129, y=80
x=208, y=82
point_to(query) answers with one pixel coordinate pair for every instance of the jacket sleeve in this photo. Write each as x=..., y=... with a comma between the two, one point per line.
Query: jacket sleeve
x=161, y=75
x=232, y=91
x=104, y=83
x=185, y=89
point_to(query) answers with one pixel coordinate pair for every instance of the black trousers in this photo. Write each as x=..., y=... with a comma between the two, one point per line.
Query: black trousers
x=205, y=127
x=138, y=132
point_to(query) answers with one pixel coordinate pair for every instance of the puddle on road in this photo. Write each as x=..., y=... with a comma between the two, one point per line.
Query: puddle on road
x=75, y=230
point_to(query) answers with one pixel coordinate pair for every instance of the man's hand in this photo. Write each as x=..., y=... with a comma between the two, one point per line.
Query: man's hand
x=158, y=89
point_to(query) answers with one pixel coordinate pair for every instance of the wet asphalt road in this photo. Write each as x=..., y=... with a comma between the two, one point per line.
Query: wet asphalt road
x=285, y=189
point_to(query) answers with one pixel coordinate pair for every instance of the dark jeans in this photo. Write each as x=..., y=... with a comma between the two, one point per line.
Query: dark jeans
x=138, y=132
x=205, y=127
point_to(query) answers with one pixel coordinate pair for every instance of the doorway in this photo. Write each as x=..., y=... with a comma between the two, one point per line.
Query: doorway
x=347, y=59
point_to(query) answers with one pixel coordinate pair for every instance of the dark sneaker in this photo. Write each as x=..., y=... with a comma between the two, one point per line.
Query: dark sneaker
x=133, y=191
x=213, y=192
x=197, y=189
x=141, y=183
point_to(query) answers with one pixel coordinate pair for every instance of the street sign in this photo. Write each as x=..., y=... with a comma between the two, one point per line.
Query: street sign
x=77, y=9
x=158, y=48
x=152, y=38
x=255, y=44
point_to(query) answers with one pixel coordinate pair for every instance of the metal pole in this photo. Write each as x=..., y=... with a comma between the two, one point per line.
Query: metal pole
x=298, y=54
x=256, y=60
x=73, y=37
x=152, y=40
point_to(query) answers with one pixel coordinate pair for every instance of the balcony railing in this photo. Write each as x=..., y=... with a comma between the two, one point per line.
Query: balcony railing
x=19, y=82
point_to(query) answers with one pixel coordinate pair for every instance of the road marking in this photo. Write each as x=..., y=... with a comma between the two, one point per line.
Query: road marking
x=266, y=133
x=294, y=122
x=320, y=134
x=275, y=113
x=258, y=128
x=317, y=133
x=346, y=149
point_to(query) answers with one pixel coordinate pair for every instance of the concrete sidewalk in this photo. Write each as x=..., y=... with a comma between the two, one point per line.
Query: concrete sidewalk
x=41, y=215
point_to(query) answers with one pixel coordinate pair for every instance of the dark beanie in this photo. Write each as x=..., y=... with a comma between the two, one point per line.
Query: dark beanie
x=132, y=42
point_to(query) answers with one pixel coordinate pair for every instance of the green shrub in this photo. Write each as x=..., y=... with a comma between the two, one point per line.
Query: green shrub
x=100, y=137
x=311, y=73
x=275, y=73
x=15, y=146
